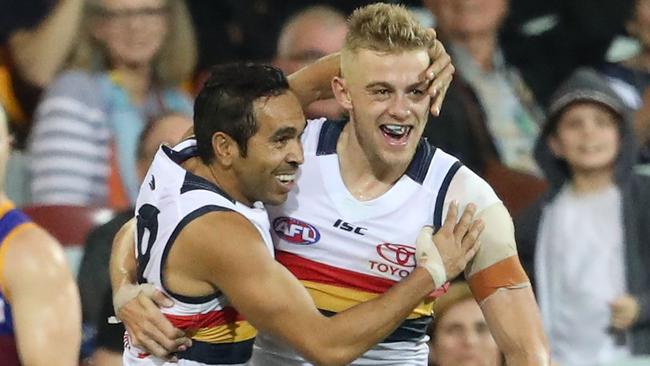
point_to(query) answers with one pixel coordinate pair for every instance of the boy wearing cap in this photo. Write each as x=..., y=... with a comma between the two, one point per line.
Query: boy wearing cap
x=586, y=243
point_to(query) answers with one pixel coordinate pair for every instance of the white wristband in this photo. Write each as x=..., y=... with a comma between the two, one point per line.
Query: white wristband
x=428, y=257
x=128, y=292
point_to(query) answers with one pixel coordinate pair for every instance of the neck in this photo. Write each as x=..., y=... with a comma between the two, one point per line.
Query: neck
x=136, y=80
x=592, y=181
x=219, y=177
x=481, y=47
x=366, y=177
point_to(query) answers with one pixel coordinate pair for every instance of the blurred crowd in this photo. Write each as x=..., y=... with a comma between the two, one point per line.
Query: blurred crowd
x=550, y=104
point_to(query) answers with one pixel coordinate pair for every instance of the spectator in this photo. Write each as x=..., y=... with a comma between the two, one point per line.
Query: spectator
x=459, y=334
x=511, y=116
x=130, y=59
x=631, y=78
x=585, y=243
x=308, y=35
x=94, y=285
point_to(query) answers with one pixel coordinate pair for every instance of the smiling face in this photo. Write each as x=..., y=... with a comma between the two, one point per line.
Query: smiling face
x=462, y=338
x=587, y=137
x=132, y=31
x=268, y=171
x=386, y=96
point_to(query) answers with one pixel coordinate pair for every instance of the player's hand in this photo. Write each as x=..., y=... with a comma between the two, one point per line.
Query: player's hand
x=446, y=253
x=138, y=308
x=625, y=311
x=439, y=73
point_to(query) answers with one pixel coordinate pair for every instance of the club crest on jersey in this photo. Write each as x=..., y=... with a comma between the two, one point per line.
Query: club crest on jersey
x=296, y=231
x=402, y=255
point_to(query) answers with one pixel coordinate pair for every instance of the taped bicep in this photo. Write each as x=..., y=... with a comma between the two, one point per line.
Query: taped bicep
x=496, y=264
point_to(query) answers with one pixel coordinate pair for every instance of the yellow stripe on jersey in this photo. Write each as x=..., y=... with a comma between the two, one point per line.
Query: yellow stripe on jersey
x=5, y=207
x=3, y=252
x=337, y=299
x=227, y=333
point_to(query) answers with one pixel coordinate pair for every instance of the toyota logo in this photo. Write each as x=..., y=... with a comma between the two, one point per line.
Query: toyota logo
x=402, y=255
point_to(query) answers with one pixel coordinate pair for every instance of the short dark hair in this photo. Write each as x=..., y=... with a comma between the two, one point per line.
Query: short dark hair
x=225, y=103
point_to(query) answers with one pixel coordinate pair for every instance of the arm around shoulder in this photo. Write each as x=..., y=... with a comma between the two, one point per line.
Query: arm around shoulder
x=313, y=82
x=44, y=299
x=274, y=301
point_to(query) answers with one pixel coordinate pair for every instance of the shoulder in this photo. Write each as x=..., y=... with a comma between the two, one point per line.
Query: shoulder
x=32, y=252
x=467, y=186
x=316, y=130
x=221, y=224
x=217, y=238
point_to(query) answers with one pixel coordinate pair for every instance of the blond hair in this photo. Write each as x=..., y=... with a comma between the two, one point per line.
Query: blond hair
x=385, y=28
x=174, y=62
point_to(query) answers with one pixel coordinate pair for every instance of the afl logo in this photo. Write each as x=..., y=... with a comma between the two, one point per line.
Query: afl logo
x=399, y=254
x=295, y=231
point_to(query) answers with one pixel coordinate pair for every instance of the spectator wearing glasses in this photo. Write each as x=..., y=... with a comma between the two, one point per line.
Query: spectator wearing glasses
x=131, y=57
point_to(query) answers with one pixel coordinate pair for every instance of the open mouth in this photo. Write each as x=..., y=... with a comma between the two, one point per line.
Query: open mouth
x=286, y=179
x=396, y=134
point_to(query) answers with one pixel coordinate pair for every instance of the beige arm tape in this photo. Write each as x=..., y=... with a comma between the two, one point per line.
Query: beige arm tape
x=496, y=265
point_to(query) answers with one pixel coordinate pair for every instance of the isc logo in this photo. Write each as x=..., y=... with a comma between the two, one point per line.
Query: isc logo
x=295, y=231
x=346, y=226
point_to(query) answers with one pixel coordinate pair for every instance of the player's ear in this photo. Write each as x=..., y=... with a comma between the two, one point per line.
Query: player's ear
x=224, y=148
x=341, y=92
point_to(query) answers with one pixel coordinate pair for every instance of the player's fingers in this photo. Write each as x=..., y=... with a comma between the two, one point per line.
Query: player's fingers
x=471, y=252
x=156, y=295
x=438, y=90
x=155, y=317
x=438, y=74
x=433, y=32
x=460, y=229
x=155, y=349
x=472, y=234
x=450, y=219
x=151, y=332
x=439, y=59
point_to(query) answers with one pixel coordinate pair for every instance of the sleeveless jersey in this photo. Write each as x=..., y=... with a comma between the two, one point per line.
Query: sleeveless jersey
x=347, y=251
x=11, y=221
x=170, y=198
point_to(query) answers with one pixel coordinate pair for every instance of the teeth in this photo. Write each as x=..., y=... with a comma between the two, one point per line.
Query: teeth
x=397, y=130
x=286, y=178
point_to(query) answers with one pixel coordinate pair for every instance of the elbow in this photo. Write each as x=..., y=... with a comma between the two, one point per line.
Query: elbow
x=533, y=356
x=325, y=352
x=330, y=358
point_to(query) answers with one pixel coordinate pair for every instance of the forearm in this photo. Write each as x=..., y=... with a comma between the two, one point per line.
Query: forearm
x=313, y=82
x=518, y=331
x=350, y=333
x=39, y=53
x=122, y=267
